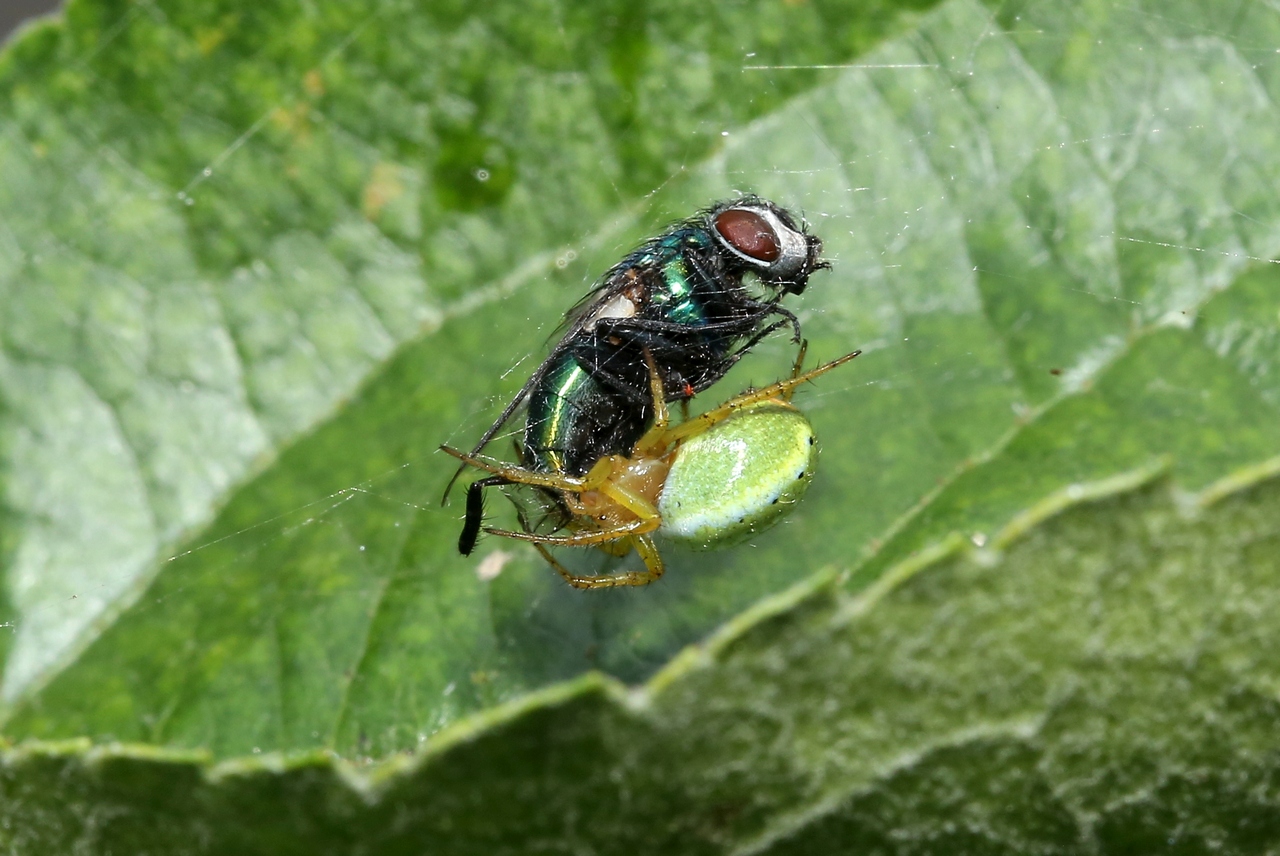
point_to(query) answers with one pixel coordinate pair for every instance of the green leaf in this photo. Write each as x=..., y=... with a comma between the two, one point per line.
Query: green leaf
x=256, y=263
x=221, y=224
x=1100, y=682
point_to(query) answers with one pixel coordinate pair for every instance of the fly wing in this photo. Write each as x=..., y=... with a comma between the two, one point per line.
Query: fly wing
x=575, y=320
x=506, y=414
x=616, y=280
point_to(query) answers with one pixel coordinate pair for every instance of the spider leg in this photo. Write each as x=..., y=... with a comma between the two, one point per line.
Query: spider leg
x=796, y=367
x=782, y=389
x=515, y=474
x=644, y=546
x=633, y=502
x=581, y=539
x=575, y=580
x=660, y=415
x=509, y=411
x=648, y=552
x=646, y=519
x=654, y=437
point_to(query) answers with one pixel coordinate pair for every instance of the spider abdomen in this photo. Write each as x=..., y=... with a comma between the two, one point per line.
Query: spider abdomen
x=739, y=477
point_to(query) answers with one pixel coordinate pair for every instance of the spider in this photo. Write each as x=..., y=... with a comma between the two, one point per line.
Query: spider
x=708, y=482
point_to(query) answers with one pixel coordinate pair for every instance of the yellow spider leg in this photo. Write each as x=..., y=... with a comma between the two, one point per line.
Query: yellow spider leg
x=644, y=546
x=575, y=580
x=660, y=415
x=597, y=475
x=782, y=388
x=796, y=367
x=581, y=539
x=652, y=559
x=655, y=437
x=520, y=475
x=631, y=501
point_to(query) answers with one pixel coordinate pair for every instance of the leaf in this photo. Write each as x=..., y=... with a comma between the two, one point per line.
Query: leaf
x=222, y=220
x=1052, y=226
x=1103, y=681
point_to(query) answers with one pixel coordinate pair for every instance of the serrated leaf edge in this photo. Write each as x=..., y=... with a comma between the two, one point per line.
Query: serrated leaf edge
x=369, y=780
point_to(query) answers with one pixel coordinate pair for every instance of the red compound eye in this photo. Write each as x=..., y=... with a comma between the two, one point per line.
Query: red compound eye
x=748, y=233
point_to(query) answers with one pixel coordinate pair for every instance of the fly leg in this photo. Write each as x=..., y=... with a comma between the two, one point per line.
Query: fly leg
x=475, y=512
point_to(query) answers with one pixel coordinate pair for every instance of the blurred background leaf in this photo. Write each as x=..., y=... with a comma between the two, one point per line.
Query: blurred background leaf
x=257, y=262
